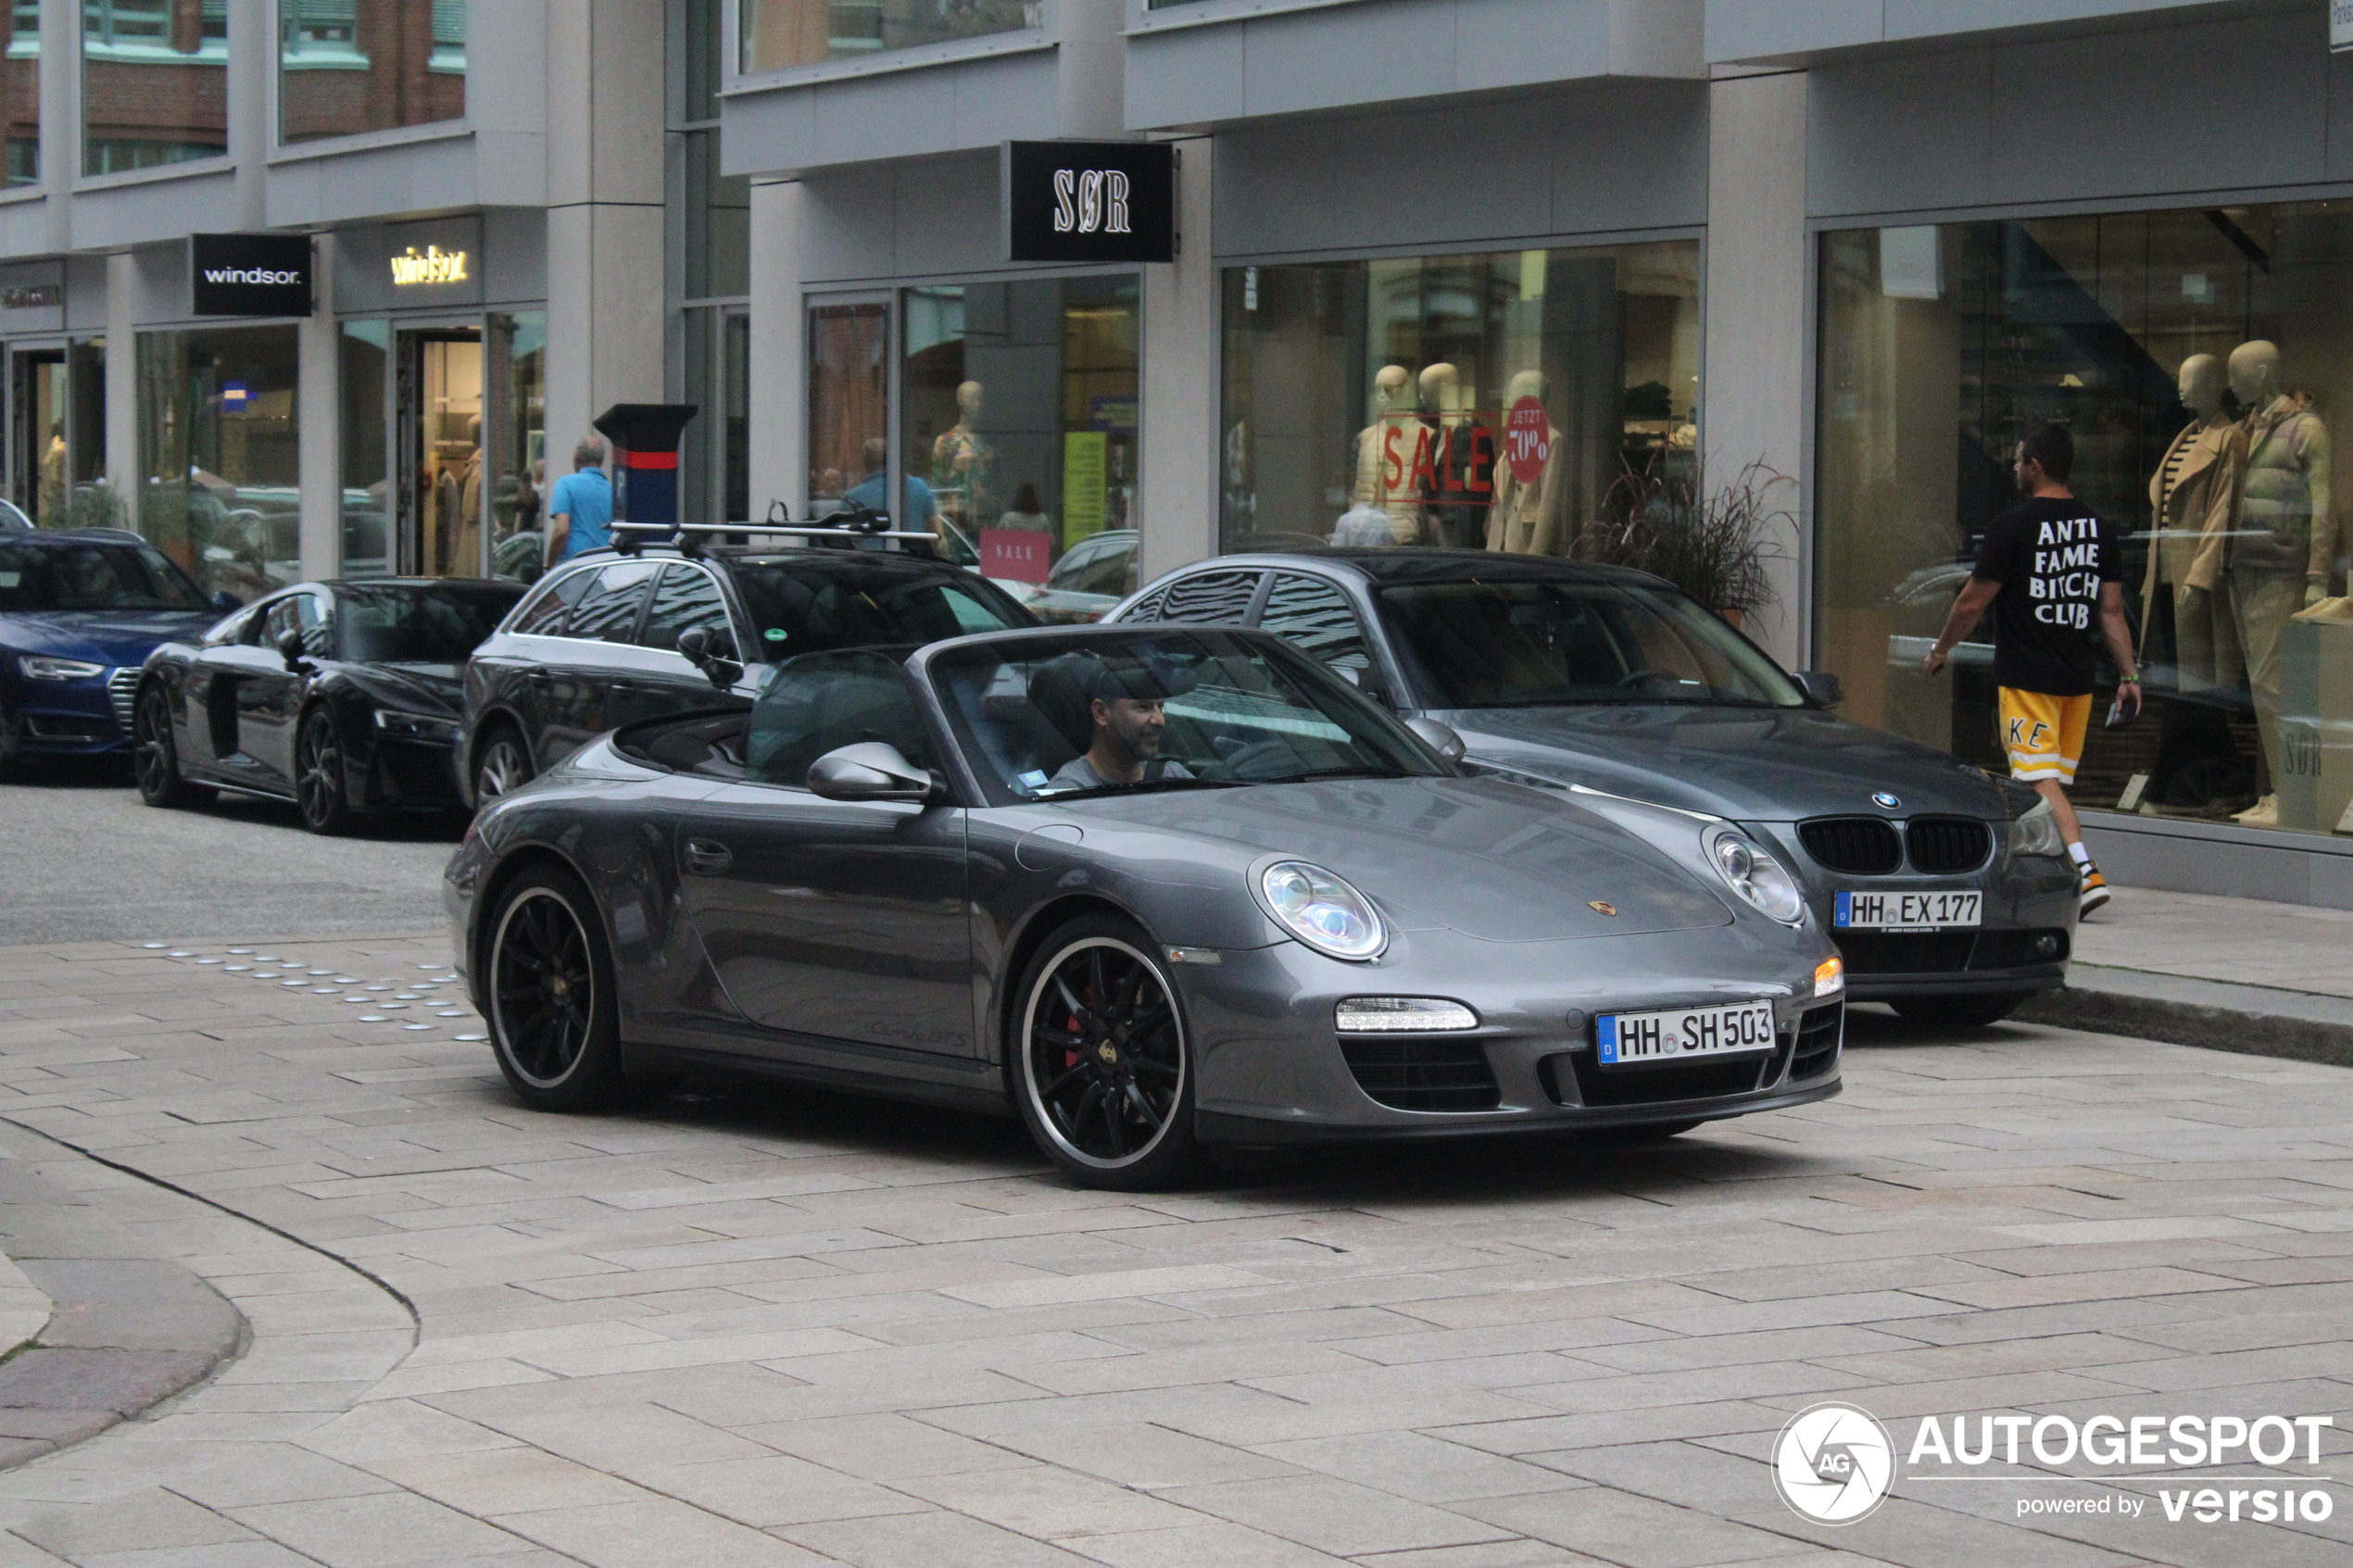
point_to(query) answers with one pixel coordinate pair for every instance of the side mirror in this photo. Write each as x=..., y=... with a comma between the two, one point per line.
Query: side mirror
x=1822, y=689
x=872, y=769
x=225, y=601
x=1438, y=737
x=290, y=648
x=711, y=649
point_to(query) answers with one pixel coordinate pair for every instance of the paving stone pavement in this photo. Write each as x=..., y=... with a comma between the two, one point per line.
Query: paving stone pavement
x=757, y=1326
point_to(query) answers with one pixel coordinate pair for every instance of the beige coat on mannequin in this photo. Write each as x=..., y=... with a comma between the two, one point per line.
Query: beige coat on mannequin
x=1526, y=519
x=1380, y=464
x=2193, y=500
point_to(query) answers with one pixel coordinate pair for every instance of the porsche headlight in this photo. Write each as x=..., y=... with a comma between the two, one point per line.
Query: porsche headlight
x=41, y=667
x=2037, y=833
x=1748, y=871
x=1322, y=910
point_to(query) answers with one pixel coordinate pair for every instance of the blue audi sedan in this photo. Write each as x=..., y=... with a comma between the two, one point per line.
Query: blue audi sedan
x=79, y=612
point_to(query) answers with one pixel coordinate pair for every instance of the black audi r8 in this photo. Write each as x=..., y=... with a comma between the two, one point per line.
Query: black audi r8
x=342, y=697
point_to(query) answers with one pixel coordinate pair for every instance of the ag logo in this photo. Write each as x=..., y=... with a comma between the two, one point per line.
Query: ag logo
x=1832, y=1463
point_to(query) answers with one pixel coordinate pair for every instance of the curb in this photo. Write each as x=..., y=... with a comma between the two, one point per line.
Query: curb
x=128, y=1331
x=2211, y=1014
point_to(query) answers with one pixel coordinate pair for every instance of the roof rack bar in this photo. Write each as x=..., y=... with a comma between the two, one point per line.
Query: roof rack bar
x=799, y=530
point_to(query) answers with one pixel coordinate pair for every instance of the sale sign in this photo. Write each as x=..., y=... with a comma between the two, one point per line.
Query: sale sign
x=1528, y=440
x=1016, y=555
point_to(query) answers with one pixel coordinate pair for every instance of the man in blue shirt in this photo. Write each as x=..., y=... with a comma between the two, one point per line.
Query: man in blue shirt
x=580, y=509
x=874, y=491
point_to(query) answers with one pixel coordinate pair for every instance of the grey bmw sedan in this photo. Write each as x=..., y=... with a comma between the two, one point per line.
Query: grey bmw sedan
x=1947, y=890
x=1146, y=888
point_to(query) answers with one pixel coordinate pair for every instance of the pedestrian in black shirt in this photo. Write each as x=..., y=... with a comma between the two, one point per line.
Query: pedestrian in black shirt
x=2050, y=570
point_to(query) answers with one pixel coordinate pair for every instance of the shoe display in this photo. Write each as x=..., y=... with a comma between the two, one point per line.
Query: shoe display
x=2094, y=889
x=2264, y=813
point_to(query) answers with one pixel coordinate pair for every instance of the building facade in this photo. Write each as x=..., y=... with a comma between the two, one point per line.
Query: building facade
x=1501, y=274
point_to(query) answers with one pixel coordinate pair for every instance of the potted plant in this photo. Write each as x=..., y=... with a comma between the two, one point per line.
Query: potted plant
x=1716, y=544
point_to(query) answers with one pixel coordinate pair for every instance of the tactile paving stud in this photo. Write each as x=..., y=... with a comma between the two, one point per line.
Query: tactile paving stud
x=416, y=1026
x=323, y=990
x=207, y=960
x=374, y=1018
x=240, y=952
x=237, y=968
x=451, y=1012
x=471, y=1037
x=155, y=945
x=183, y=953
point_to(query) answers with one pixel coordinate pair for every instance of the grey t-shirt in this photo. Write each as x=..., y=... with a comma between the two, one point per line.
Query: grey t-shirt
x=1079, y=773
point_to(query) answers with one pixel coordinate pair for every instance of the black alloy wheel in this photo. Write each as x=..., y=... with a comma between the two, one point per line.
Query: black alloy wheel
x=155, y=759
x=502, y=765
x=1103, y=1078
x=319, y=786
x=553, y=1021
x=1974, y=1012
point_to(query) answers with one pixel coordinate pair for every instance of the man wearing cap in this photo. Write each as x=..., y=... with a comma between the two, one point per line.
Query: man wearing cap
x=1126, y=705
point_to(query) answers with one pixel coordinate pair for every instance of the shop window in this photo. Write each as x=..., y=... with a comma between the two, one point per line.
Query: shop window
x=21, y=96
x=848, y=401
x=155, y=82
x=2200, y=359
x=1019, y=423
x=219, y=484
x=349, y=67
x=1505, y=402
x=799, y=32
x=366, y=350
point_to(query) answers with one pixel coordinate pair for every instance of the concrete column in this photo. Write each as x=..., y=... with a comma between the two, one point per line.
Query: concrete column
x=318, y=421
x=1753, y=396
x=253, y=62
x=60, y=117
x=1176, y=501
x=779, y=353
x=122, y=383
x=605, y=214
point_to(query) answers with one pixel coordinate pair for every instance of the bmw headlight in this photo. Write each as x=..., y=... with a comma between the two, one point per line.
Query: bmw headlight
x=417, y=726
x=1748, y=871
x=41, y=667
x=2037, y=833
x=1322, y=910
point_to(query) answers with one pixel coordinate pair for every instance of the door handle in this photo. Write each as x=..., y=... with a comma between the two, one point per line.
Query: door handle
x=539, y=678
x=623, y=686
x=707, y=857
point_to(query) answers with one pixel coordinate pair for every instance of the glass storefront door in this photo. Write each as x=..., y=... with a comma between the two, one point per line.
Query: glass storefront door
x=437, y=426
x=37, y=433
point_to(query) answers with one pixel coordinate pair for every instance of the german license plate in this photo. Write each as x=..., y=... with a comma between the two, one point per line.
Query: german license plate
x=1629, y=1037
x=1906, y=911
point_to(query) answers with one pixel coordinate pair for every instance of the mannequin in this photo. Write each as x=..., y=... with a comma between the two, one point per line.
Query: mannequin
x=1458, y=483
x=1524, y=519
x=961, y=459
x=2193, y=502
x=1385, y=454
x=2280, y=553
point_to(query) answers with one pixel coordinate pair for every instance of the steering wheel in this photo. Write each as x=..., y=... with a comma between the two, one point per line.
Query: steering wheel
x=1638, y=677
x=1257, y=751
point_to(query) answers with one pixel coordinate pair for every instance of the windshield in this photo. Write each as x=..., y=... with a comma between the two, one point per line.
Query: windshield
x=817, y=606
x=92, y=576
x=1160, y=709
x=418, y=623
x=1536, y=642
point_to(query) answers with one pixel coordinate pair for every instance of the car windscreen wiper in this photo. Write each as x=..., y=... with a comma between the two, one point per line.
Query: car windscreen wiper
x=1139, y=787
x=1316, y=774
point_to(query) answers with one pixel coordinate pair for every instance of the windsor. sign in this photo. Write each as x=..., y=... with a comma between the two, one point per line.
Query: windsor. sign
x=1090, y=201
x=249, y=274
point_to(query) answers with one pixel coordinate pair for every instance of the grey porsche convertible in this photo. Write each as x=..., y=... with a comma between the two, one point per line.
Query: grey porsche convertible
x=1147, y=888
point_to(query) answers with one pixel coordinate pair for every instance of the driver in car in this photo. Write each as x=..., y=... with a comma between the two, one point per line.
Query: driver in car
x=1126, y=702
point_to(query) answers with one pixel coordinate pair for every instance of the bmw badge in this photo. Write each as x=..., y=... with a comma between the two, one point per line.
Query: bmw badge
x=1884, y=799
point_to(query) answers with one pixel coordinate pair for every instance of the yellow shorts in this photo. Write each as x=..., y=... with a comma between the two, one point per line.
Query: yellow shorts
x=2044, y=735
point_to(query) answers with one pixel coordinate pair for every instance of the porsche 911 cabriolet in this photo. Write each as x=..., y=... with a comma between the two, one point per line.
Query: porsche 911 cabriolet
x=1149, y=889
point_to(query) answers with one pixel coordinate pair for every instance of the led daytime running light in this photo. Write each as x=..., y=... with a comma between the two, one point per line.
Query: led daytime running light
x=1384, y=1015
